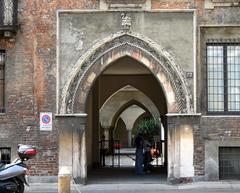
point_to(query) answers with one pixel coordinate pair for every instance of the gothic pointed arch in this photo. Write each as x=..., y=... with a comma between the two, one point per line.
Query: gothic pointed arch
x=130, y=114
x=141, y=48
x=125, y=106
x=121, y=100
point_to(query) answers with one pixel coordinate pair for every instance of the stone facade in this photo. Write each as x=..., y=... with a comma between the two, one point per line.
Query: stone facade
x=33, y=83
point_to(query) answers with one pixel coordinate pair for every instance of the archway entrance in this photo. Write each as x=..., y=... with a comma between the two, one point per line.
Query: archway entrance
x=95, y=72
x=125, y=99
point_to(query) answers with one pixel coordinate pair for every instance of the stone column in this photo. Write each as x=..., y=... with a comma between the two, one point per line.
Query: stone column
x=95, y=125
x=83, y=159
x=106, y=133
x=72, y=153
x=77, y=135
x=173, y=151
x=129, y=138
x=64, y=181
x=180, y=145
x=186, y=150
x=111, y=139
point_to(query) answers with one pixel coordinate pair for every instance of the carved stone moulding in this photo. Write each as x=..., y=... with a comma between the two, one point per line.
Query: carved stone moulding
x=134, y=46
x=225, y=1
x=125, y=4
x=125, y=1
x=211, y=4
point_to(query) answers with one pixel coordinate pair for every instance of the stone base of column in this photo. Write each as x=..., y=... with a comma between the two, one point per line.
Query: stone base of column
x=184, y=180
x=82, y=181
x=64, y=181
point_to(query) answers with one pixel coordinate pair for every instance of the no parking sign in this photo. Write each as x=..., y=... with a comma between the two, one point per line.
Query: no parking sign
x=46, y=121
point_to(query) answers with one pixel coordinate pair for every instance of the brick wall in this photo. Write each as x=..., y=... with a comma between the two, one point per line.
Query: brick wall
x=213, y=128
x=31, y=78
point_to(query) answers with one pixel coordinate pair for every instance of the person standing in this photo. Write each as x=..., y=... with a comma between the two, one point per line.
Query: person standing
x=139, y=154
x=103, y=151
x=147, y=153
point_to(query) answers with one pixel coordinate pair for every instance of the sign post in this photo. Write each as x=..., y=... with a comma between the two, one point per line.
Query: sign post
x=45, y=121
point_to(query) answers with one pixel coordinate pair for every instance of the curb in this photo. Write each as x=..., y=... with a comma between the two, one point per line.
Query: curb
x=196, y=185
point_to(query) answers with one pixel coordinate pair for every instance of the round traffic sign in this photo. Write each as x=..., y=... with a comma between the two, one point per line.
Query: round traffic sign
x=46, y=119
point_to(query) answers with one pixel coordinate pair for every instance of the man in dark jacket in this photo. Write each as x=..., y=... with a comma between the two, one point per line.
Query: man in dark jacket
x=139, y=154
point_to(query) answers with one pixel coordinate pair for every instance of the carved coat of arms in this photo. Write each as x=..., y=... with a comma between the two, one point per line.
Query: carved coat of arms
x=126, y=21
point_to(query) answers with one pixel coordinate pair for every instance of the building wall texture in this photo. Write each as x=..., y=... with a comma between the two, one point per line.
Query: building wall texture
x=31, y=76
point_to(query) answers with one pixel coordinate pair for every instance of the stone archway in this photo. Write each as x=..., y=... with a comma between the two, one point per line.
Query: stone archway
x=144, y=50
x=118, y=102
x=129, y=117
x=89, y=67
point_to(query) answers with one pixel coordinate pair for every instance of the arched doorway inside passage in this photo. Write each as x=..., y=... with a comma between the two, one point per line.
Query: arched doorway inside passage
x=119, y=110
x=168, y=77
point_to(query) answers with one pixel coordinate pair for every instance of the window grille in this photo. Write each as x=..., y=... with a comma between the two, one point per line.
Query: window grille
x=5, y=155
x=8, y=14
x=229, y=163
x=223, y=78
x=2, y=81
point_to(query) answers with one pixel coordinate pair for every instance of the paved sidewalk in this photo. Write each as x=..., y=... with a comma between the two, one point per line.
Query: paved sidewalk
x=52, y=188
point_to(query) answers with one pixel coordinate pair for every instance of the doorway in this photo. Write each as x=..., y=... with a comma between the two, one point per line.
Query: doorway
x=150, y=70
x=124, y=99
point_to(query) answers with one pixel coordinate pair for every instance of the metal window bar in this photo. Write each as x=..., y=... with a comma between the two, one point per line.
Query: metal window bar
x=229, y=163
x=2, y=81
x=233, y=77
x=8, y=14
x=5, y=155
x=109, y=153
x=215, y=77
x=231, y=82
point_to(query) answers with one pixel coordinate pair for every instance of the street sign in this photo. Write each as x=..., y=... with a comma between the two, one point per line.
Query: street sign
x=45, y=121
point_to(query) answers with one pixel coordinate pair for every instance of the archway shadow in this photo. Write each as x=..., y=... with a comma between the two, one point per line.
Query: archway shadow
x=126, y=175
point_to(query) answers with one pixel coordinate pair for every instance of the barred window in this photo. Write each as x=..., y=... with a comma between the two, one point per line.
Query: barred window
x=2, y=80
x=5, y=155
x=223, y=78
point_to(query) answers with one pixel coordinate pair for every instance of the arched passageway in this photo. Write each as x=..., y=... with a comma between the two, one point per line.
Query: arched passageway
x=138, y=47
x=110, y=65
x=116, y=109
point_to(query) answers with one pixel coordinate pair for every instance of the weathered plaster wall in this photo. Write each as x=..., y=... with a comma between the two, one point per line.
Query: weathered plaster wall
x=87, y=28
